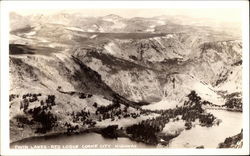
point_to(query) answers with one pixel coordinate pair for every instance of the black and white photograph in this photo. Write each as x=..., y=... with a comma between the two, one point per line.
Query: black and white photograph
x=125, y=78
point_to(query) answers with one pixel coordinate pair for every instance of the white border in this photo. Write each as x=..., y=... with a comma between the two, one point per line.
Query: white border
x=7, y=6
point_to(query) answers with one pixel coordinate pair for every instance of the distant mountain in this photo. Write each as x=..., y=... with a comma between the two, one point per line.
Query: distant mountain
x=112, y=63
x=111, y=17
x=115, y=23
x=18, y=22
x=174, y=48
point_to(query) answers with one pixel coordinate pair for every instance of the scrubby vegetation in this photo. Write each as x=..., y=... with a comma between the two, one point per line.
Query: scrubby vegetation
x=211, y=45
x=233, y=142
x=12, y=97
x=110, y=131
x=29, y=98
x=112, y=111
x=22, y=120
x=237, y=63
x=40, y=115
x=45, y=118
x=83, y=95
x=80, y=94
x=82, y=117
x=234, y=101
x=105, y=109
x=147, y=131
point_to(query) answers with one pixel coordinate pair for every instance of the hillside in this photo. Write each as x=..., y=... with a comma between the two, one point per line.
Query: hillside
x=70, y=73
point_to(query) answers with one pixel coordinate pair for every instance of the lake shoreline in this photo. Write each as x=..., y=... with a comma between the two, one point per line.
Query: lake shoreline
x=97, y=130
x=116, y=133
x=56, y=134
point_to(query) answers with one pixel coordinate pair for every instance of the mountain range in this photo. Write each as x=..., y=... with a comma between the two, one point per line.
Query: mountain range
x=137, y=61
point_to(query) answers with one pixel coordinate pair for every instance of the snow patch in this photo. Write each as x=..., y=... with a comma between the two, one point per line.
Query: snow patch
x=93, y=36
x=118, y=25
x=150, y=30
x=44, y=40
x=109, y=19
x=74, y=29
x=174, y=128
x=162, y=105
x=232, y=84
x=151, y=26
x=161, y=22
x=159, y=41
x=90, y=30
x=101, y=29
x=109, y=48
x=169, y=36
x=52, y=45
x=206, y=92
x=31, y=33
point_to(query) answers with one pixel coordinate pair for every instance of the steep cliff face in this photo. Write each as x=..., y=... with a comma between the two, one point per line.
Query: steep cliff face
x=142, y=68
x=59, y=93
x=49, y=72
x=121, y=56
x=150, y=49
x=231, y=81
x=218, y=57
x=125, y=77
x=81, y=64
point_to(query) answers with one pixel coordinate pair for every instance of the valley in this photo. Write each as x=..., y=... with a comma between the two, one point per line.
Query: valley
x=147, y=80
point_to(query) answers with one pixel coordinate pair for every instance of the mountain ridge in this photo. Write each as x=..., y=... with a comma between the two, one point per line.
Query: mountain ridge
x=91, y=71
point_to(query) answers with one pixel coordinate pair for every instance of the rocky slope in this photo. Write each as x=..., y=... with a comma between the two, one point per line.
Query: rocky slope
x=77, y=64
x=125, y=56
x=58, y=93
x=160, y=62
x=233, y=141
